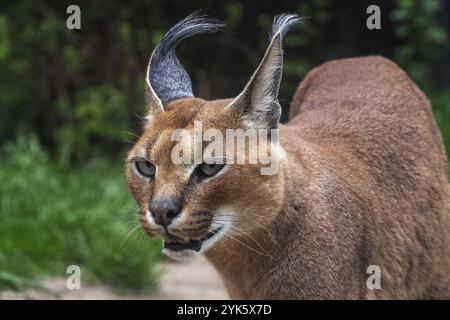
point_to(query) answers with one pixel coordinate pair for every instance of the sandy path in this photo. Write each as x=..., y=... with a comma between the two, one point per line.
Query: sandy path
x=193, y=280
x=196, y=279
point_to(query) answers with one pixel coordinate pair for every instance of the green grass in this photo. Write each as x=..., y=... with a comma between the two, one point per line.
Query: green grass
x=53, y=216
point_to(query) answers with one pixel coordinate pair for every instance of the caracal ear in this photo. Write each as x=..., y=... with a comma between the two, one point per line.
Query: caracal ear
x=166, y=79
x=258, y=104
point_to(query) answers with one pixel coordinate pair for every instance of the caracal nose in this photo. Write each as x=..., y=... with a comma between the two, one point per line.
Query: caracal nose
x=165, y=210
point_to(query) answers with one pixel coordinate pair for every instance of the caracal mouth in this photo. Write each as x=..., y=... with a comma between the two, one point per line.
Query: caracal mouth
x=184, y=250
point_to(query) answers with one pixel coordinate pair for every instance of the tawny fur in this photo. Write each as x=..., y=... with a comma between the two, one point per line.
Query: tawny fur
x=363, y=182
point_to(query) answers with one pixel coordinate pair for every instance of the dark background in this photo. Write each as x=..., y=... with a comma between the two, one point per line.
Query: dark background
x=79, y=90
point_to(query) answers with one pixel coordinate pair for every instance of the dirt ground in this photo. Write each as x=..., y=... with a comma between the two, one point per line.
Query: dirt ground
x=196, y=279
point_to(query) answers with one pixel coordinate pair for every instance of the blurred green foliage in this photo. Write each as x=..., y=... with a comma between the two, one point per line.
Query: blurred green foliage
x=94, y=115
x=424, y=39
x=53, y=216
x=441, y=108
x=69, y=87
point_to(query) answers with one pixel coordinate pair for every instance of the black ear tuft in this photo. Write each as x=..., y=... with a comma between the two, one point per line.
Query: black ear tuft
x=282, y=23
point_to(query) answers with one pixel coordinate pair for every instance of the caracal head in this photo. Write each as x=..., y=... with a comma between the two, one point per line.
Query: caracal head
x=204, y=172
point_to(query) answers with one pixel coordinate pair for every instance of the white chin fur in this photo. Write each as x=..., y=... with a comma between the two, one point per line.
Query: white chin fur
x=183, y=255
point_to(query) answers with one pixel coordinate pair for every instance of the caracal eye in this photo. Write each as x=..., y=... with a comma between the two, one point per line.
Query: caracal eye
x=209, y=170
x=146, y=168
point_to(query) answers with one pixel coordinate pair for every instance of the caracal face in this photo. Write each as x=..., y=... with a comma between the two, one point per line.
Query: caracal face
x=192, y=206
